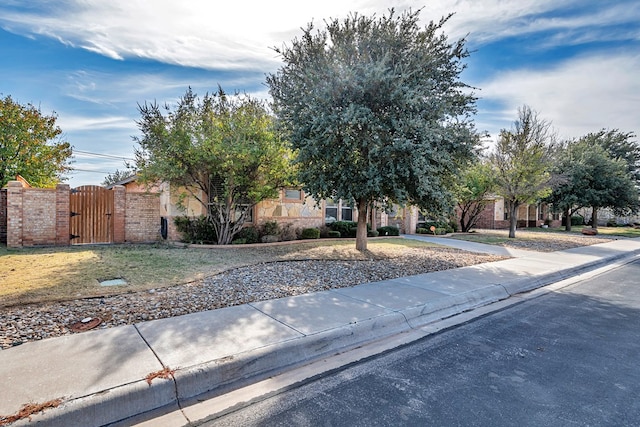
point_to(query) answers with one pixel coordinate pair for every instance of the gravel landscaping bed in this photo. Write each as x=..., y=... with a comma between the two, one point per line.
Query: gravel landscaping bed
x=238, y=286
x=254, y=283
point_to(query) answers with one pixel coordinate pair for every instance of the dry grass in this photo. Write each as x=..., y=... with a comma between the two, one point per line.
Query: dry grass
x=534, y=239
x=56, y=274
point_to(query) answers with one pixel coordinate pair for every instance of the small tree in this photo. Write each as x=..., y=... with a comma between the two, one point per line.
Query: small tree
x=475, y=184
x=30, y=145
x=376, y=111
x=223, y=151
x=117, y=176
x=521, y=162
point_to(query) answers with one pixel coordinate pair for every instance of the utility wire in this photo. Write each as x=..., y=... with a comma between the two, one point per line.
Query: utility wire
x=73, y=170
x=106, y=156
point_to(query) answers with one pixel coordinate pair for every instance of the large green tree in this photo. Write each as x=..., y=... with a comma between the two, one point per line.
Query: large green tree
x=376, y=111
x=30, y=145
x=222, y=150
x=590, y=177
x=565, y=196
x=521, y=161
x=619, y=146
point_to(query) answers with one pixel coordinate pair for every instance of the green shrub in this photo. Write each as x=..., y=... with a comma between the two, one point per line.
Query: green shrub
x=423, y=231
x=440, y=231
x=577, y=220
x=249, y=235
x=270, y=228
x=333, y=233
x=373, y=233
x=196, y=230
x=239, y=242
x=310, y=233
x=448, y=226
x=343, y=227
x=389, y=230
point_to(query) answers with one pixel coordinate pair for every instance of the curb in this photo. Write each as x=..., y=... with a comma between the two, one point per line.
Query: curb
x=522, y=285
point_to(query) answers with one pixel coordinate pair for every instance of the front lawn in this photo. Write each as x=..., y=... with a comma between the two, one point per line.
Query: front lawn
x=51, y=274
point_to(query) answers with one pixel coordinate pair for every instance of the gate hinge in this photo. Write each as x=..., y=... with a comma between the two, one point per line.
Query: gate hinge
x=74, y=214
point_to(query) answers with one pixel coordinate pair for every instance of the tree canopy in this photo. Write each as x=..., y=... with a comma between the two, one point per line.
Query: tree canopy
x=222, y=150
x=521, y=161
x=590, y=177
x=476, y=182
x=30, y=145
x=376, y=111
x=619, y=146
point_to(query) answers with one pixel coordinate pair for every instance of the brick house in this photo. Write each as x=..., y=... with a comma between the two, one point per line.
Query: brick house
x=495, y=215
x=291, y=206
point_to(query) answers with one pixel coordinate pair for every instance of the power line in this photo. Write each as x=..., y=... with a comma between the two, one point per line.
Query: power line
x=87, y=170
x=106, y=156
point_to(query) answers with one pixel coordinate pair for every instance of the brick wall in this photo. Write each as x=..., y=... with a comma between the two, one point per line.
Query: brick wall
x=142, y=217
x=37, y=216
x=3, y=216
x=41, y=217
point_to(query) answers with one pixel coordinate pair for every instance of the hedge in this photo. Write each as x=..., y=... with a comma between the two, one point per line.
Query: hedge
x=310, y=233
x=389, y=230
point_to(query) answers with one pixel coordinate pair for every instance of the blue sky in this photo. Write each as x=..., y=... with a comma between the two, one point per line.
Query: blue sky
x=577, y=63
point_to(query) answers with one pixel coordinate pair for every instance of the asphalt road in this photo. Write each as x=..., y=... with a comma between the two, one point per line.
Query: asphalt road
x=569, y=358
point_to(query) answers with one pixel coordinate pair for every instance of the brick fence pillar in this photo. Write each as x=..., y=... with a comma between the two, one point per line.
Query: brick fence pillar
x=119, y=207
x=63, y=215
x=14, y=214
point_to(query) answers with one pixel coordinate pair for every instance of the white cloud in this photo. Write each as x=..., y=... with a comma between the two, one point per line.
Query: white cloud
x=71, y=123
x=197, y=33
x=579, y=95
x=239, y=35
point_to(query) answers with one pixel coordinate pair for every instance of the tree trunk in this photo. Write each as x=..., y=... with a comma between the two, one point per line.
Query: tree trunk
x=361, y=235
x=513, y=220
x=594, y=218
x=374, y=225
x=567, y=219
x=463, y=223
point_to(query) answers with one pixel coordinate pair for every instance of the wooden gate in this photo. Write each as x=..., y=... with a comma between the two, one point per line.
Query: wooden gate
x=91, y=221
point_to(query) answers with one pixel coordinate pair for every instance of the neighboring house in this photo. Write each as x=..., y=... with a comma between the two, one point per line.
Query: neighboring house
x=606, y=216
x=495, y=215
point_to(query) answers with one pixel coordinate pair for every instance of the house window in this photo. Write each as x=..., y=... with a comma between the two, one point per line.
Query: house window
x=330, y=211
x=242, y=208
x=347, y=213
x=292, y=194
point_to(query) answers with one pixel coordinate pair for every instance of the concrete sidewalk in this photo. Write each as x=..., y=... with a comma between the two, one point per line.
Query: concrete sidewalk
x=101, y=376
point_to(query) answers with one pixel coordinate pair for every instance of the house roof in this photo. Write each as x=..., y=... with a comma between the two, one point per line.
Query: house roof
x=132, y=178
